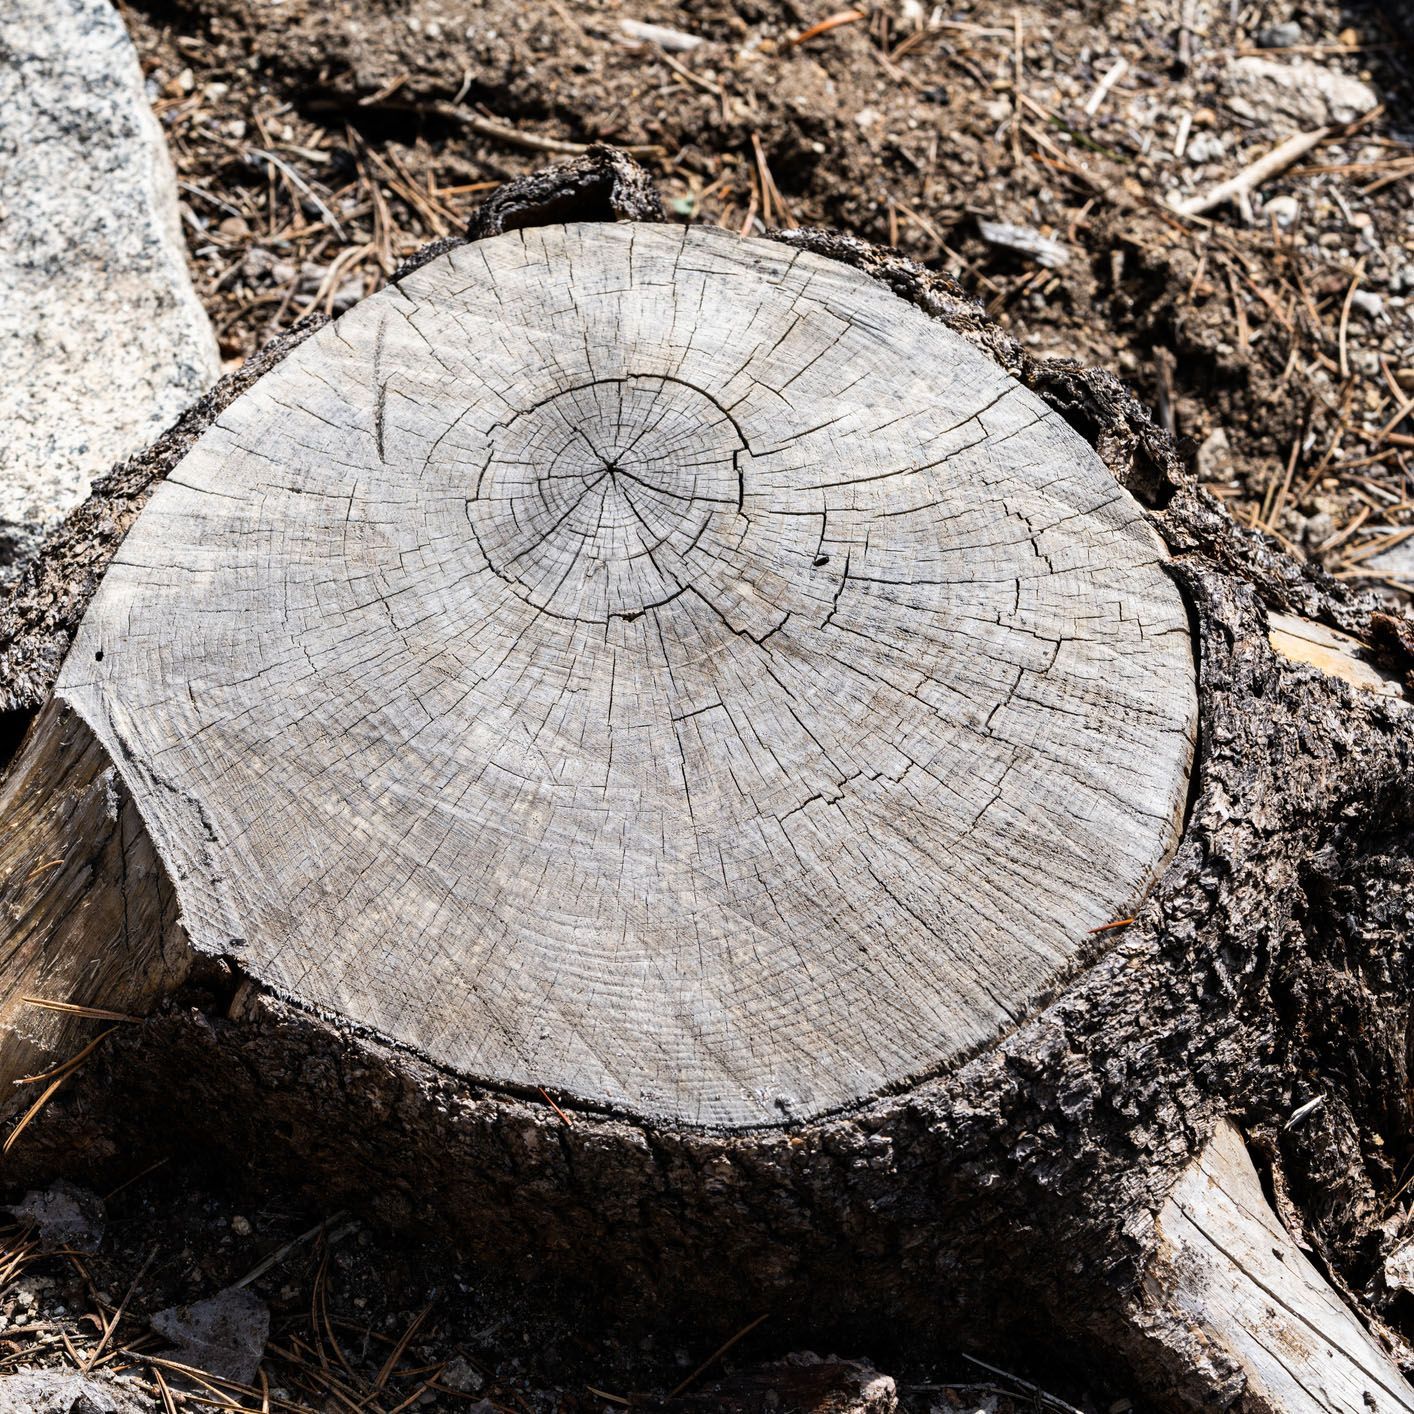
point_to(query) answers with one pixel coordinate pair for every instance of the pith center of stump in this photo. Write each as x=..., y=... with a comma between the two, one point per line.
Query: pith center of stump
x=609, y=498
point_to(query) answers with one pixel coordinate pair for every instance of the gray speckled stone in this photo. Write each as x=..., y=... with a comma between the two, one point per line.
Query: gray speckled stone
x=224, y=1335
x=1291, y=97
x=66, y=1392
x=102, y=340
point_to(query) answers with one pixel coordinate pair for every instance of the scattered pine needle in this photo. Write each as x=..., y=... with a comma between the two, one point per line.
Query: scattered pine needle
x=140, y=1174
x=281, y=1253
x=396, y=1354
x=166, y=1393
x=841, y=17
x=94, y=1013
x=1342, y=336
x=33, y=1110
x=60, y=1074
x=111, y=1324
x=204, y=1378
x=64, y=1067
x=717, y=1355
x=1109, y=927
x=544, y=1092
x=514, y=137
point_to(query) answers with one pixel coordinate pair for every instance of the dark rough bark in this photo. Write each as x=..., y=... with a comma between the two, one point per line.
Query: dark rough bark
x=1012, y=1200
x=603, y=185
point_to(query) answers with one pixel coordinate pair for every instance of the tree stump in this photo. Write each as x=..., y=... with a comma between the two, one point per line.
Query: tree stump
x=675, y=753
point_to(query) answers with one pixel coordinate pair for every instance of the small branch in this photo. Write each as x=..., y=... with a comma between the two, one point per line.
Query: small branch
x=1251, y=177
x=533, y=142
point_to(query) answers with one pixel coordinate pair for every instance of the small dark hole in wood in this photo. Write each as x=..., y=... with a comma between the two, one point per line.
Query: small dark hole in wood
x=13, y=725
x=821, y=560
x=98, y=657
x=584, y=201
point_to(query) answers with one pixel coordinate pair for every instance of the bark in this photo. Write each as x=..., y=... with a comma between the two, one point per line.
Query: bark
x=1026, y=1194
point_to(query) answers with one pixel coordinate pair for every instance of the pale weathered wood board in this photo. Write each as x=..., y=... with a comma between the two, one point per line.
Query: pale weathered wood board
x=1231, y=1268
x=659, y=666
x=1334, y=653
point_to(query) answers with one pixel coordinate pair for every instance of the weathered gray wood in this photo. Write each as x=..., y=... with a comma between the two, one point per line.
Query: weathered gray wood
x=653, y=665
x=88, y=915
x=1230, y=1267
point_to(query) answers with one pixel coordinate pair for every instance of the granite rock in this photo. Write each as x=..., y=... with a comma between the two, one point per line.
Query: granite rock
x=102, y=340
x=1292, y=97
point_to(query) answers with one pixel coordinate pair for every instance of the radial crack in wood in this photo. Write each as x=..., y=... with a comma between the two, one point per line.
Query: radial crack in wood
x=657, y=666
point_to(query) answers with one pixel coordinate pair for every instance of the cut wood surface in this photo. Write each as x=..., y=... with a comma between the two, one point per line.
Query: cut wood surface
x=657, y=666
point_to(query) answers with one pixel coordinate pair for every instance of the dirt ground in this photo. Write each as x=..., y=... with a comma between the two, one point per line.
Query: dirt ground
x=318, y=142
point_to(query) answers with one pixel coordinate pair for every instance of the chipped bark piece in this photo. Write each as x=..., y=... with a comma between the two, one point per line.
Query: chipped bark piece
x=934, y=1207
x=603, y=185
x=699, y=632
x=1025, y=241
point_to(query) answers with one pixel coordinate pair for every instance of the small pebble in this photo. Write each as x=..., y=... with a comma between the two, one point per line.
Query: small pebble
x=1215, y=455
x=240, y=1226
x=1205, y=147
x=1368, y=303
x=460, y=1376
x=1281, y=36
x=1283, y=209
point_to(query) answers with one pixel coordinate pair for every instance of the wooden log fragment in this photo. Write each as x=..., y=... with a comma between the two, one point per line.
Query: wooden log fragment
x=680, y=759
x=1227, y=1262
